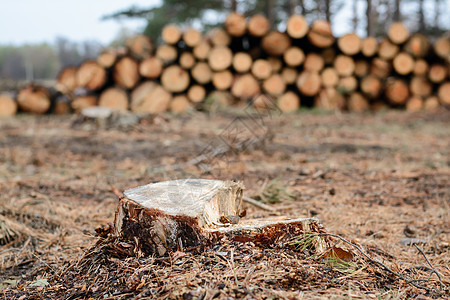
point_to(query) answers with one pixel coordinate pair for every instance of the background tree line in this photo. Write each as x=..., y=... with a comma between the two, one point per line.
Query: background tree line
x=366, y=17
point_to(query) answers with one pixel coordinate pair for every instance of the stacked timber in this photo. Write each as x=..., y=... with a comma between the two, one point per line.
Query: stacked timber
x=306, y=64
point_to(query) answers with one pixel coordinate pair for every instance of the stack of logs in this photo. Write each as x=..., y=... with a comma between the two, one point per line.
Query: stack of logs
x=248, y=61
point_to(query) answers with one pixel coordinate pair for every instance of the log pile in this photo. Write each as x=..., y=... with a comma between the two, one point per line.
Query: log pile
x=304, y=64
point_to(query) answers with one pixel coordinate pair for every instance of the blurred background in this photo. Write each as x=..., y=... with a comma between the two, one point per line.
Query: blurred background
x=38, y=38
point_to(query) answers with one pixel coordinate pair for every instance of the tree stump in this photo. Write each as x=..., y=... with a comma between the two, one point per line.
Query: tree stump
x=189, y=214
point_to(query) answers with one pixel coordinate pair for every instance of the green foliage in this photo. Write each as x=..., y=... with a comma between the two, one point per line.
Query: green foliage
x=174, y=11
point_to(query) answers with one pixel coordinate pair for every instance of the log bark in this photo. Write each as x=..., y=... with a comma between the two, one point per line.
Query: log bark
x=344, y=65
x=196, y=93
x=444, y=93
x=397, y=91
x=309, y=83
x=313, y=62
x=420, y=86
x=202, y=73
x=242, y=62
x=180, y=104
x=294, y=56
x=369, y=46
x=235, y=24
x=34, y=99
x=81, y=102
x=403, y=63
x=222, y=80
x=171, y=34
x=192, y=37
x=91, y=75
x=67, y=80
x=8, y=106
x=167, y=54
x=258, y=25
x=175, y=79
x=151, y=67
x=126, y=73
x=320, y=34
x=398, y=33
x=275, y=43
x=187, y=60
x=328, y=55
x=150, y=97
x=361, y=68
x=274, y=85
x=114, y=98
x=201, y=51
x=329, y=77
x=288, y=102
x=289, y=75
x=139, y=46
x=297, y=27
x=276, y=63
x=61, y=105
x=261, y=69
x=245, y=86
x=349, y=44
x=220, y=58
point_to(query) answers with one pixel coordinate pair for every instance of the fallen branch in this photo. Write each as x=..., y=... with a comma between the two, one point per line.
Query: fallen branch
x=258, y=204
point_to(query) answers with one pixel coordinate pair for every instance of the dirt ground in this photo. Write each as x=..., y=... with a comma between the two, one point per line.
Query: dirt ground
x=380, y=181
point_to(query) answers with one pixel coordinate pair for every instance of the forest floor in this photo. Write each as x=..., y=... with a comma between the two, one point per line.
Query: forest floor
x=380, y=181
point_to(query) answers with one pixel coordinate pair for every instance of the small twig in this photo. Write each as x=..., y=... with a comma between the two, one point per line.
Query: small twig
x=379, y=263
x=433, y=269
x=258, y=204
x=118, y=193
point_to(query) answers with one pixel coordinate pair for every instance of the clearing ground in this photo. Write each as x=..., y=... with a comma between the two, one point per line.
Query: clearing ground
x=378, y=180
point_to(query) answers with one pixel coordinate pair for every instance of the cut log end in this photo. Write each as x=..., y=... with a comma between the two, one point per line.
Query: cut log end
x=258, y=25
x=296, y=26
x=114, y=98
x=398, y=33
x=150, y=97
x=175, y=79
x=275, y=43
x=8, y=106
x=236, y=25
x=171, y=34
x=349, y=44
x=34, y=99
x=320, y=34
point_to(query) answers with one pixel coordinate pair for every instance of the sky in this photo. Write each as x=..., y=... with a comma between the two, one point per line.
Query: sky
x=36, y=21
